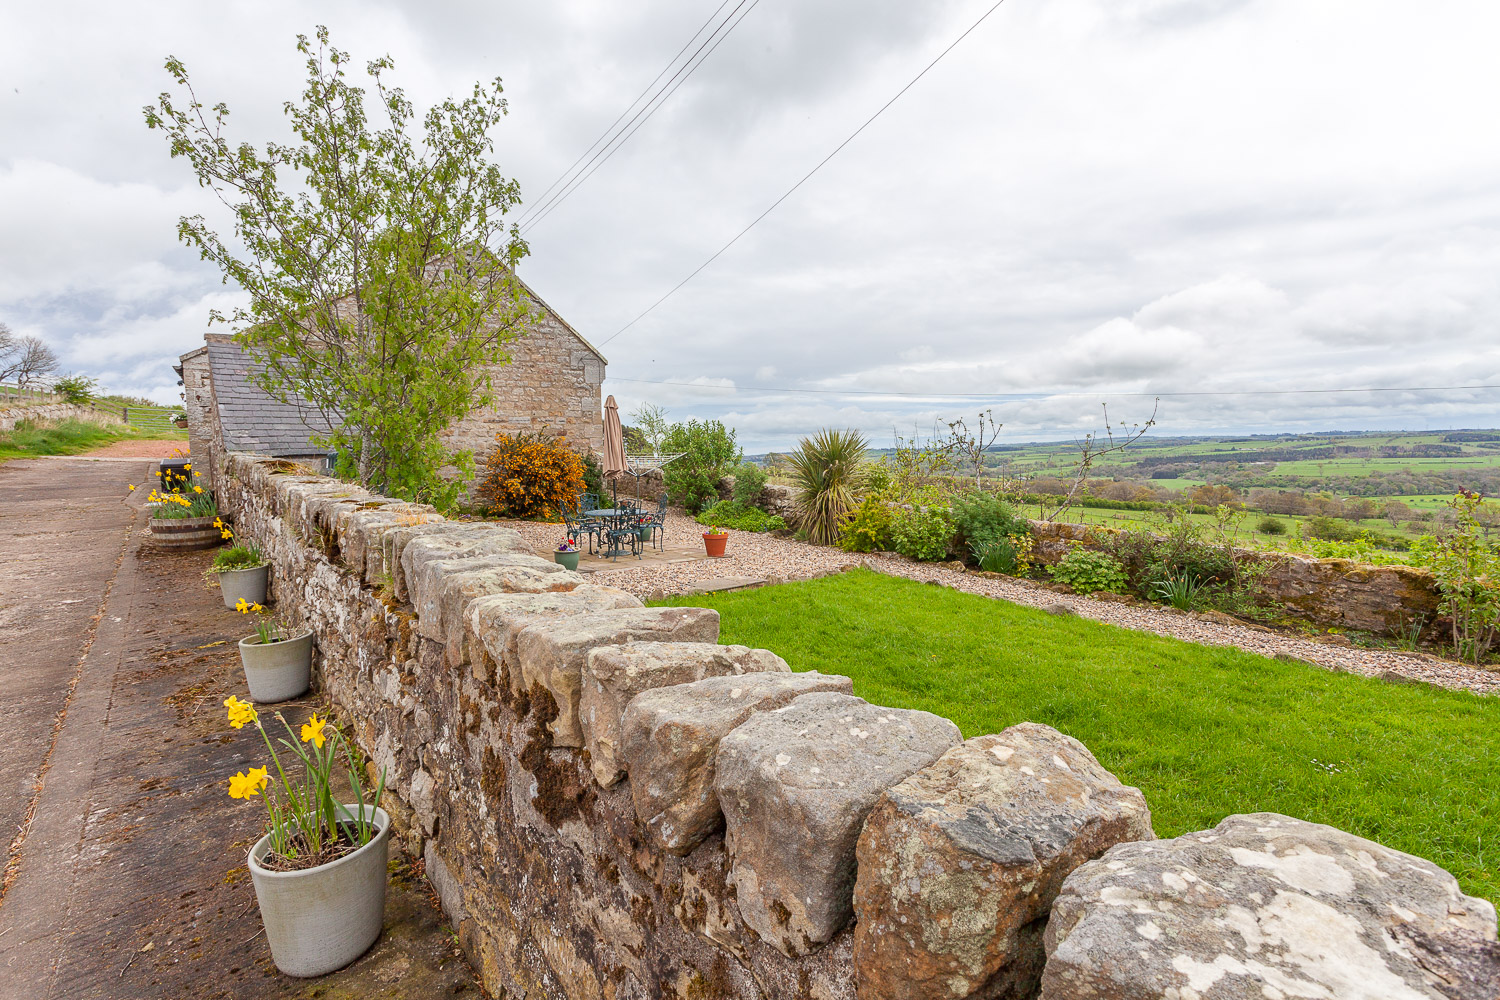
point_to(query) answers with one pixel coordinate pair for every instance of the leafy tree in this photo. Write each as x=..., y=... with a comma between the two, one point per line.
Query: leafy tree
x=24, y=359
x=708, y=451
x=1467, y=569
x=651, y=423
x=377, y=259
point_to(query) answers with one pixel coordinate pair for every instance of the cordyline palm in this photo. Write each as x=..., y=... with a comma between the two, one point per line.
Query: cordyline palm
x=826, y=470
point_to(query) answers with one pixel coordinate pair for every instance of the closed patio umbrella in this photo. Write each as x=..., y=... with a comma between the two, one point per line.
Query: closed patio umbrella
x=615, y=464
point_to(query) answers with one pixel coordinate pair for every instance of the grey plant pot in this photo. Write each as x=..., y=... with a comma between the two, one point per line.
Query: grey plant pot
x=277, y=671
x=321, y=919
x=244, y=585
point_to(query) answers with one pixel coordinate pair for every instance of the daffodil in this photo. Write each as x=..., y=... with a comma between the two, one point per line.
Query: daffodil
x=247, y=783
x=312, y=731
x=243, y=606
x=132, y=487
x=241, y=713
x=186, y=466
x=197, y=489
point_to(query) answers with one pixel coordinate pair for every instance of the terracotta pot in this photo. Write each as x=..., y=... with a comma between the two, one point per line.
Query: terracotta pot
x=715, y=543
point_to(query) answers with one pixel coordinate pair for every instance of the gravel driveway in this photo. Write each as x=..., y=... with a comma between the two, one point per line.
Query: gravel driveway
x=777, y=560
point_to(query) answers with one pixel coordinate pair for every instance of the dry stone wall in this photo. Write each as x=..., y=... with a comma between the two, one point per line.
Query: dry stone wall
x=17, y=412
x=1334, y=593
x=610, y=804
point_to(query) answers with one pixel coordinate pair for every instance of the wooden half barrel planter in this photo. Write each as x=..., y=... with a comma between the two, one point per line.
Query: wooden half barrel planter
x=185, y=533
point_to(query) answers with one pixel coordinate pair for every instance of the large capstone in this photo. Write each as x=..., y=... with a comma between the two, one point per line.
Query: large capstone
x=552, y=651
x=670, y=735
x=613, y=675
x=496, y=621
x=1268, y=906
x=441, y=594
x=959, y=863
x=795, y=785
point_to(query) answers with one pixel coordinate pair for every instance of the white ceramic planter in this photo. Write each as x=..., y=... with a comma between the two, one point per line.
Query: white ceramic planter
x=321, y=919
x=277, y=671
x=244, y=585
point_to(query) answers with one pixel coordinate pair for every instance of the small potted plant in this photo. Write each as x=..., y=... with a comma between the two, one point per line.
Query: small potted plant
x=243, y=574
x=714, y=540
x=277, y=662
x=643, y=529
x=566, y=554
x=320, y=870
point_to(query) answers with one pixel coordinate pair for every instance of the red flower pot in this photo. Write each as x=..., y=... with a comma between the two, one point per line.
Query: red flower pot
x=715, y=543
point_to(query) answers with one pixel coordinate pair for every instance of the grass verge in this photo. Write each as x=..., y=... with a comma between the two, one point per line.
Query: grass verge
x=69, y=437
x=1203, y=731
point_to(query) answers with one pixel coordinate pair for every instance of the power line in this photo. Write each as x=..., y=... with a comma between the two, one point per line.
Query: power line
x=670, y=63
x=1053, y=395
x=806, y=176
x=713, y=41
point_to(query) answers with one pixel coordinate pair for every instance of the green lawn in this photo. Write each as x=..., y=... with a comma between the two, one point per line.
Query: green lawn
x=1204, y=732
x=70, y=437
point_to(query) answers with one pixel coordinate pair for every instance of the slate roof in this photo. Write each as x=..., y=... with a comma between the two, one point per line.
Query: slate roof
x=250, y=419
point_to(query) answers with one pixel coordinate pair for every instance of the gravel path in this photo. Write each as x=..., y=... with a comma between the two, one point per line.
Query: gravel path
x=776, y=560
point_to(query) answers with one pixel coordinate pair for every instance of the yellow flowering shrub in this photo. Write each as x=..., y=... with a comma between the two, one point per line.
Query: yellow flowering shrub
x=529, y=476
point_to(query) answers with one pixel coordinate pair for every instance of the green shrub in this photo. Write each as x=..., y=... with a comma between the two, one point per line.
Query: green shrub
x=749, y=482
x=1330, y=529
x=1270, y=526
x=593, y=476
x=76, y=388
x=869, y=530
x=982, y=519
x=708, y=451
x=733, y=514
x=1181, y=591
x=826, y=470
x=922, y=533
x=1088, y=572
x=1000, y=555
x=246, y=556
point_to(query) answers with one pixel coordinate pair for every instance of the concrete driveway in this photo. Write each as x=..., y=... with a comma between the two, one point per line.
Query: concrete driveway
x=125, y=860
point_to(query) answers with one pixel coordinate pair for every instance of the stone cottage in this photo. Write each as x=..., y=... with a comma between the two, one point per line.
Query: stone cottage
x=552, y=384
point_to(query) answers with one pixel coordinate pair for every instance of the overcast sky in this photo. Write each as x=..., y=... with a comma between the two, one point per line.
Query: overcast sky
x=1085, y=196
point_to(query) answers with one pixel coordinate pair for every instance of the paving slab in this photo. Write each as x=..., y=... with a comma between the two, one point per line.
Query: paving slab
x=131, y=881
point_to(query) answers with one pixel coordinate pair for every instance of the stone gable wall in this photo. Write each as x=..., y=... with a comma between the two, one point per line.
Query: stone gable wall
x=610, y=804
x=205, y=437
x=552, y=384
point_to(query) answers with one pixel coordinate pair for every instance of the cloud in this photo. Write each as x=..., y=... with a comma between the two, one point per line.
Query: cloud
x=1085, y=196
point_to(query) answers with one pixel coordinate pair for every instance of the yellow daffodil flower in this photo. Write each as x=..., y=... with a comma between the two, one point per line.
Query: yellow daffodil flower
x=226, y=535
x=312, y=732
x=186, y=466
x=241, y=713
x=243, y=607
x=246, y=784
x=197, y=489
x=132, y=487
